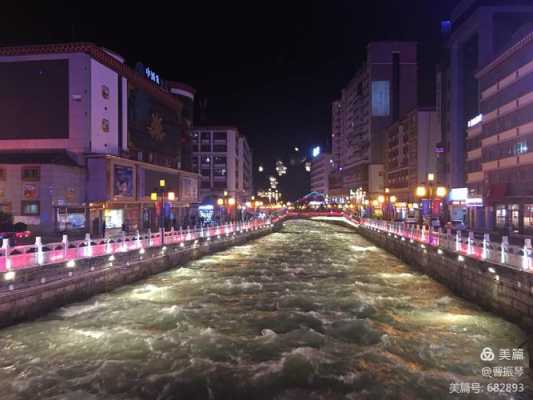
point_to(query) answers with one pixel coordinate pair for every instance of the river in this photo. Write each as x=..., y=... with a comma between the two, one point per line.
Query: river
x=311, y=312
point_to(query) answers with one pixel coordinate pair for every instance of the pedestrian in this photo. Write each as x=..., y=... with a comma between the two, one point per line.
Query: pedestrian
x=103, y=227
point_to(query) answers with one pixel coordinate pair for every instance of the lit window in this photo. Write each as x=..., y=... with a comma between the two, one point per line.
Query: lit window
x=31, y=173
x=30, y=208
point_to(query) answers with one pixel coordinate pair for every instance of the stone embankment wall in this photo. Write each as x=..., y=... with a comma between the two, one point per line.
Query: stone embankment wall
x=42, y=289
x=505, y=291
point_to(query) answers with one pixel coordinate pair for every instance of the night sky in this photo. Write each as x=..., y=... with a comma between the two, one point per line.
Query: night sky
x=271, y=68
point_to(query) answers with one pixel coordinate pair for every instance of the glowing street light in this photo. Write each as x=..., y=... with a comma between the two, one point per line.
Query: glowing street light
x=441, y=191
x=260, y=168
x=421, y=191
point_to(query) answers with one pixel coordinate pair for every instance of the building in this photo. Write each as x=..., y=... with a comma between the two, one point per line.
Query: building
x=382, y=90
x=476, y=32
x=336, y=131
x=410, y=155
x=500, y=140
x=320, y=169
x=85, y=140
x=223, y=158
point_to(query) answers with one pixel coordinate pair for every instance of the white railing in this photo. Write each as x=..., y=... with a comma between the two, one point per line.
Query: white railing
x=39, y=254
x=518, y=257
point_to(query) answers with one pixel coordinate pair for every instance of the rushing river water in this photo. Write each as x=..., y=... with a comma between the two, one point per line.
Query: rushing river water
x=312, y=312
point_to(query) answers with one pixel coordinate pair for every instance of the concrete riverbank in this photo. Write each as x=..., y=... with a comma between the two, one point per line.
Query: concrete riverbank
x=42, y=289
x=503, y=290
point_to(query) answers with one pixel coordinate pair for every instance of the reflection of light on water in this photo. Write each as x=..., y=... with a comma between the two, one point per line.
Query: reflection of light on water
x=403, y=275
x=444, y=317
x=89, y=333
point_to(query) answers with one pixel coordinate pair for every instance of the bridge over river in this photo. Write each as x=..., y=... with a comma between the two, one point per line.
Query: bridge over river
x=313, y=311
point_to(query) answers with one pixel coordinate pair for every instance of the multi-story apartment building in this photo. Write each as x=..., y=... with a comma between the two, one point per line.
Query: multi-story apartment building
x=476, y=32
x=384, y=88
x=320, y=169
x=336, y=131
x=410, y=154
x=500, y=140
x=223, y=158
x=85, y=140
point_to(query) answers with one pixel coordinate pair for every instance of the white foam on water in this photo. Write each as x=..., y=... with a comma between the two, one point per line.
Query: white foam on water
x=363, y=248
x=73, y=311
x=93, y=334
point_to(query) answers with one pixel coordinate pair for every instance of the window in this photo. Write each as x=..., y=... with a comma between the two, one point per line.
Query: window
x=528, y=216
x=501, y=215
x=105, y=125
x=31, y=173
x=105, y=92
x=515, y=212
x=219, y=135
x=5, y=207
x=30, y=207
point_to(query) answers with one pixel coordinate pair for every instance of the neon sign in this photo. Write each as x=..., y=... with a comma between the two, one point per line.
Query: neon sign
x=152, y=75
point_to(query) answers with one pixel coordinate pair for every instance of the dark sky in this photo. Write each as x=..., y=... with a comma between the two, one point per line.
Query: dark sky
x=271, y=68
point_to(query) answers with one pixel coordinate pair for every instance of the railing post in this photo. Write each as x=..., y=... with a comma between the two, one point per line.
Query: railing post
x=39, y=246
x=5, y=246
x=124, y=246
x=64, y=240
x=504, y=249
x=526, y=261
x=470, y=241
x=458, y=239
x=138, y=239
x=88, y=250
x=486, y=240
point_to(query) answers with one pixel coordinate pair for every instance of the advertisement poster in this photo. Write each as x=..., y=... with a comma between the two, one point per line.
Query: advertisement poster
x=123, y=181
x=189, y=189
x=30, y=191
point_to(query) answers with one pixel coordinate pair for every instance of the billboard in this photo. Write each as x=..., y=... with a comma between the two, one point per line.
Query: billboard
x=380, y=98
x=34, y=99
x=122, y=181
x=153, y=125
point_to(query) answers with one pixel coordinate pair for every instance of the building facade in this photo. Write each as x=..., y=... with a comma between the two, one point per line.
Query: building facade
x=500, y=140
x=223, y=158
x=476, y=32
x=84, y=138
x=384, y=88
x=320, y=169
x=336, y=131
x=410, y=154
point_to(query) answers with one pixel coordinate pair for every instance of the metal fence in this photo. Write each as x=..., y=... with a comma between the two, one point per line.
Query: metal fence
x=461, y=243
x=39, y=254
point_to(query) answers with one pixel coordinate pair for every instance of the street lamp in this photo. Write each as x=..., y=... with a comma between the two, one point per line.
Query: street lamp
x=430, y=192
x=158, y=196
